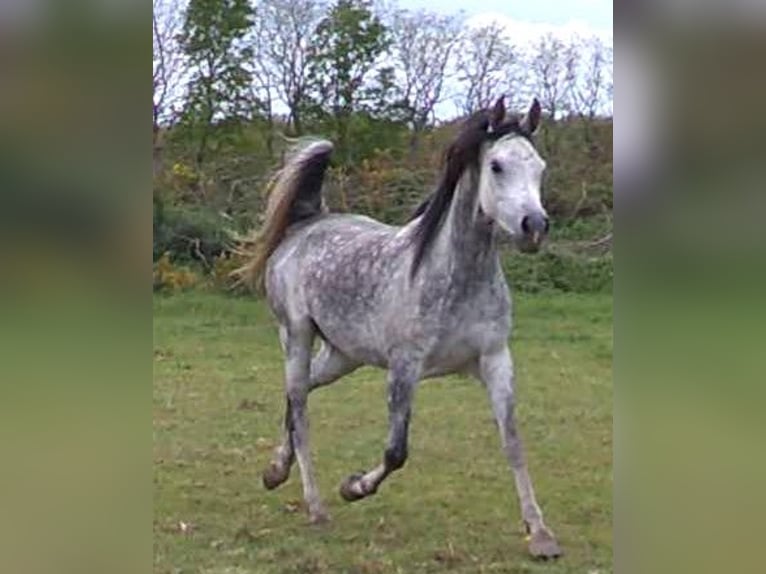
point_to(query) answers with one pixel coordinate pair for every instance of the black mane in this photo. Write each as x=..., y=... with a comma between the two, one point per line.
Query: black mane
x=462, y=154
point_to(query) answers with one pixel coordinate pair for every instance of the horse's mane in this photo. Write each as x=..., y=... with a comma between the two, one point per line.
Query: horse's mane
x=462, y=154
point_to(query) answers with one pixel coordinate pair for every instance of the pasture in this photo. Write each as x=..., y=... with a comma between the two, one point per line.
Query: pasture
x=217, y=412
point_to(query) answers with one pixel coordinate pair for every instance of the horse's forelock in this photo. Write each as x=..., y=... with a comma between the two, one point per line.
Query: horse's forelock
x=465, y=149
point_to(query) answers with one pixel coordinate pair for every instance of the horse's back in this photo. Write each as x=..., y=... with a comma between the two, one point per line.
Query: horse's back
x=334, y=267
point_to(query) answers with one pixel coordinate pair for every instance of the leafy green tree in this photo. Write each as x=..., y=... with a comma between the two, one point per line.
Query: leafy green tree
x=344, y=71
x=220, y=83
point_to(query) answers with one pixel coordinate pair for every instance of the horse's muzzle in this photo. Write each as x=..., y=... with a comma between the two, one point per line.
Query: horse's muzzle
x=534, y=228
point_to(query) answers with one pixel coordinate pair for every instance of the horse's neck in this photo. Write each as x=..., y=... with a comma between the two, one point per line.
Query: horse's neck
x=468, y=236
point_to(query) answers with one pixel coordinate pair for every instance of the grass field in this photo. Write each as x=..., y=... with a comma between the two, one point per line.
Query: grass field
x=218, y=406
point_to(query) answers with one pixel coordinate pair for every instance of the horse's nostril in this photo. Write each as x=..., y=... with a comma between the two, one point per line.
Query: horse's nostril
x=535, y=224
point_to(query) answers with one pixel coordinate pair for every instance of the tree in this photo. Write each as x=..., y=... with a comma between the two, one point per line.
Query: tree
x=484, y=62
x=608, y=73
x=553, y=64
x=346, y=50
x=284, y=34
x=264, y=90
x=422, y=49
x=220, y=84
x=168, y=68
x=590, y=84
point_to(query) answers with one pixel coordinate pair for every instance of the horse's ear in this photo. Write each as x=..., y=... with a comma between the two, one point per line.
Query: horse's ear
x=497, y=114
x=531, y=121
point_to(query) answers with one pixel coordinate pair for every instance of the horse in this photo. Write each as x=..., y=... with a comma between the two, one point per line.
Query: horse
x=422, y=300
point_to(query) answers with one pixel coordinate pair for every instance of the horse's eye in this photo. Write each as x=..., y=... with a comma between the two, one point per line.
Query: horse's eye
x=496, y=167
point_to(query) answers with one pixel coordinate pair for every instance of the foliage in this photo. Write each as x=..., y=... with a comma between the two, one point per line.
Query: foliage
x=381, y=188
x=387, y=182
x=348, y=42
x=212, y=40
x=574, y=259
x=221, y=276
x=559, y=271
x=190, y=234
x=169, y=277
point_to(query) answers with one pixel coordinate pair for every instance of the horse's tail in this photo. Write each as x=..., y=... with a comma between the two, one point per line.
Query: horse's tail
x=294, y=194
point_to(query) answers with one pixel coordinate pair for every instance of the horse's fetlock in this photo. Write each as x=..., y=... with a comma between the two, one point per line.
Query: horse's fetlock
x=395, y=457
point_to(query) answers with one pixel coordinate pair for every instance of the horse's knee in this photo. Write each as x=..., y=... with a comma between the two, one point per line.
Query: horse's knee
x=296, y=400
x=395, y=457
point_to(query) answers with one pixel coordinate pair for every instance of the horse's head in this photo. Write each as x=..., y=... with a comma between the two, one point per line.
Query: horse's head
x=510, y=176
x=510, y=171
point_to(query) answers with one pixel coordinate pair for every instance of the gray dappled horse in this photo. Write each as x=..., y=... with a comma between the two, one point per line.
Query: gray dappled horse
x=421, y=300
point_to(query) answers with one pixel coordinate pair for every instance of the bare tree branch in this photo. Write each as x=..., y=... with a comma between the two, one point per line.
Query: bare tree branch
x=589, y=90
x=485, y=58
x=423, y=48
x=552, y=65
x=168, y=63
x=285, y=29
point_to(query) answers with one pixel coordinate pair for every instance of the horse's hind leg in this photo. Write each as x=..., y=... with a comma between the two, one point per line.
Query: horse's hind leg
x=402, y=379
x=300, y=335
x=327, y=366
x=278, y=470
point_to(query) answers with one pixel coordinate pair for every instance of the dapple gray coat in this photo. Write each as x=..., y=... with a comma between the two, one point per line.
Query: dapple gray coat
x=421, y=300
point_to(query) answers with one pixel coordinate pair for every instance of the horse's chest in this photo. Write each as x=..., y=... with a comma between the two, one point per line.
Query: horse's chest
x=466, y=331
x=476, y=336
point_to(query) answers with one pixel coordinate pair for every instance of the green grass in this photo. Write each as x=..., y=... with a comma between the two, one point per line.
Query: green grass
x=217, y=413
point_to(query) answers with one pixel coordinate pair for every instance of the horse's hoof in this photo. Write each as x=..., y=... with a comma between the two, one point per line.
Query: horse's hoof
x=274, y=475
x=351, y=489
x=319, y=517
x=542, y=545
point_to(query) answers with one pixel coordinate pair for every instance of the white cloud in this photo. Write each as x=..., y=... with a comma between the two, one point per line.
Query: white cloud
x=524, y=33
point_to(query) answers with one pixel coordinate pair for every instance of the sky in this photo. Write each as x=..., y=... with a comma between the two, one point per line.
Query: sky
x=531, y=16
x=525, y=21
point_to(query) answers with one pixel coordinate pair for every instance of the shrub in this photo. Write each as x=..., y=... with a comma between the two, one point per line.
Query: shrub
x=220, y=276
x=168, y=277
x=559, y=271
x=579, y=229
x=189, y=233
x=381, y=175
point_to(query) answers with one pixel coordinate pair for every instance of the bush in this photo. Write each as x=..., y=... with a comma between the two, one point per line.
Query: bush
x=559, y=271
x=379, y=189
x=168, y=277
x=382, y=176
x=189, y=234
x=221, y=278
x=578, y=229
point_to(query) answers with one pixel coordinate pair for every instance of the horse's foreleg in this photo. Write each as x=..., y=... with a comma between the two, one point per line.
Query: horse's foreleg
x=402, y=380
x=328, y=366
x=496, y=371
